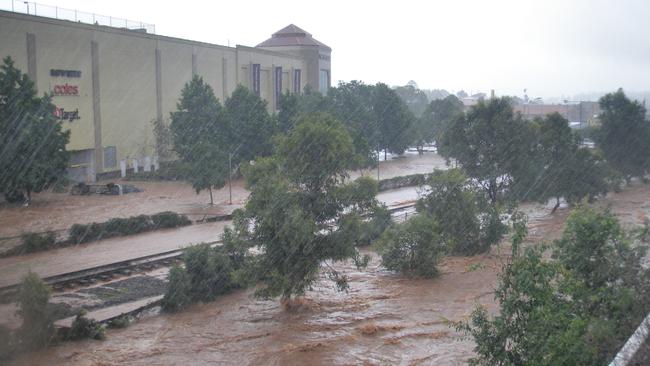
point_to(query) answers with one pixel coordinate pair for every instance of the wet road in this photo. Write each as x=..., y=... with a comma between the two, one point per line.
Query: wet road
x=84, y=256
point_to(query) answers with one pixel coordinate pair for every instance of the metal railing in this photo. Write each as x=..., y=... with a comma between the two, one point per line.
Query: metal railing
x=55, y=12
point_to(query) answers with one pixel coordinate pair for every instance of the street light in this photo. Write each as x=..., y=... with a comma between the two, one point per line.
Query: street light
x=26, y=3
x=579, y=111
x=230, y=172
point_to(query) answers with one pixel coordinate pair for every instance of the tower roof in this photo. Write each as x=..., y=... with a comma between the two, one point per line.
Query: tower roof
x=292, y=35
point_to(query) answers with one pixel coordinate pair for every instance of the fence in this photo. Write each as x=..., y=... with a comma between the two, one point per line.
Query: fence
x=55, y=12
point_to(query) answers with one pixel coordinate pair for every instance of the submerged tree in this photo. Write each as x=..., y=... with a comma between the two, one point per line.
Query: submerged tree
x=32, y=140
x=200, y=133
x=412, y=248
x=37, y=329
x=467, y=223
x=624, y=134
x=300, y=212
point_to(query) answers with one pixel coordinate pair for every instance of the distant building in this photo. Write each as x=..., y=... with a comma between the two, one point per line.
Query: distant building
x=581, y=114
x=109, y=83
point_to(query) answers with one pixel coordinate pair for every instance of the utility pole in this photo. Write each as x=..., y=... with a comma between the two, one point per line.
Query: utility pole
x=377, y=163
x=230, y=177
x=230, y=172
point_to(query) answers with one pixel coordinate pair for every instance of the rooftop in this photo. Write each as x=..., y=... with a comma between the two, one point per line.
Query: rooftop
x=292, y=35
x=55, y=12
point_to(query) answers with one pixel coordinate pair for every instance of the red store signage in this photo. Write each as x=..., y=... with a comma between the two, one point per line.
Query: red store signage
x=65, y=89
x=64, y=115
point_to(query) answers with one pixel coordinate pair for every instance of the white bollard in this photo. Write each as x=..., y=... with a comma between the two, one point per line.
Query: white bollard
x=135, y=165
x=123, y=168
x=147, y=164
x=156, y=164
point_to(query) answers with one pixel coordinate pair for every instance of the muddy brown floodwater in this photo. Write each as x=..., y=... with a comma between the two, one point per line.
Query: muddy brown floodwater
x=384, y=319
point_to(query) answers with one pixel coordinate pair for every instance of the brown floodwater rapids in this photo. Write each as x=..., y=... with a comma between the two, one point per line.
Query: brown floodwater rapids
x=383, y=319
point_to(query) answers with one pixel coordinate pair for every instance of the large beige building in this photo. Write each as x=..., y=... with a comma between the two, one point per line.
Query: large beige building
x=110, y=83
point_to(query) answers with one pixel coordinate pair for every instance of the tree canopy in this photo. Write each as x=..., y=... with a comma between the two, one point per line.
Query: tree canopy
x=624, y=134
x=492, y=144
x=32, y=140
x=576, y=310
x=249, y=125
x=300, y=212
x=562, y=167
x=435, y=119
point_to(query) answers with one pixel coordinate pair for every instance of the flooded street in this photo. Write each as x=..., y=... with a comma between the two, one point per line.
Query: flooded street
x=102, y=252
x=384, y=319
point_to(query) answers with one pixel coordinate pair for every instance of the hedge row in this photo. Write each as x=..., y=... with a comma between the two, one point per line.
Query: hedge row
x=403, y=181
x=83, y=233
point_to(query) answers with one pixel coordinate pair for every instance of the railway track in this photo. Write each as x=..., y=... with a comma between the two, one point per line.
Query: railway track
x=89, y=276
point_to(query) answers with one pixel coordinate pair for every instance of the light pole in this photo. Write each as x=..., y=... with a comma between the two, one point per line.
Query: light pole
x=579, y=110
x=26, y=3
x=230, y=172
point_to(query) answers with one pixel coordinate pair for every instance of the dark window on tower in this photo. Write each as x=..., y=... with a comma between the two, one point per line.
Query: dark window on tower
x=278, y=86
x=296, y=81
x=256, y=79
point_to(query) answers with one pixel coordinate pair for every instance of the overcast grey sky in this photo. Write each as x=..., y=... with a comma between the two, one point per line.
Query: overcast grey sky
x=550, y=47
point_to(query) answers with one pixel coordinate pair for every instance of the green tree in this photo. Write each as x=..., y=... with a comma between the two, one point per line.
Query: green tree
x=351, y=103
x=435, y=119
x=564, y=169
x=393, y=120
x=624, y=134
x=37, y=329
x=415, y=99
x=412, y=248
x=300, y=212
x=250, y=126
x=200, y=133
x=493, y=145
x=288, y=114
x=467, y=223
x=578, y=309
x=32, y=140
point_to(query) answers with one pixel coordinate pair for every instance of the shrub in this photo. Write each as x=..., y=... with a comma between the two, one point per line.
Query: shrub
x=37, y=329
x=6, y=343
x=122, y=321
x=34, y=242
x=82, y=233
x=177, y=295
x=83, y=328
x=371, y=230
x=412, y=248
x=209, y=272
x=169, y=219
x=402, y=181
x=124, y=226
